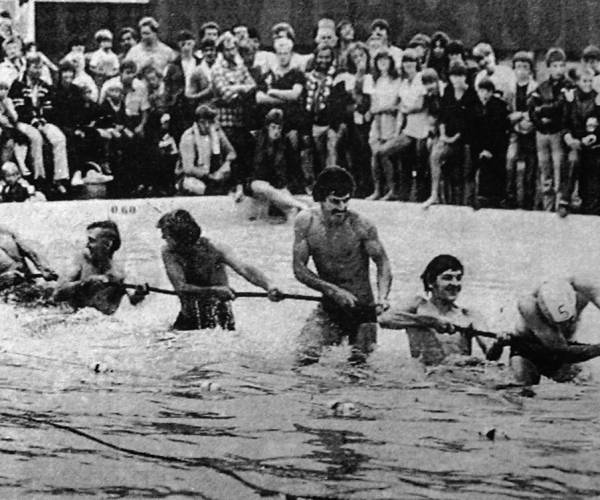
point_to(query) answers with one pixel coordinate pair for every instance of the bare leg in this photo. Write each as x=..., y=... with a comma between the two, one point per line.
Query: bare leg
x=524, y=371
x=364, y=342
x=376, y=173
x=280, y=197
x=435, y=164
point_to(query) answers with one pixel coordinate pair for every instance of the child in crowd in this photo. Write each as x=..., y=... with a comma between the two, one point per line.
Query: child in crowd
x=13, y=188
x=104, y=63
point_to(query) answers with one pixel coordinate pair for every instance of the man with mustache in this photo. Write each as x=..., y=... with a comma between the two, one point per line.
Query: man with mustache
x=442, y=280
x=340, y=243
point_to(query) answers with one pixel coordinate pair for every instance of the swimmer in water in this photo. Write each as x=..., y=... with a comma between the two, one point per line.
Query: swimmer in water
x=94, y=279
x=14, y=254
x=543, y=340
x=196, y=267
x=432, y=344
x=341, y=243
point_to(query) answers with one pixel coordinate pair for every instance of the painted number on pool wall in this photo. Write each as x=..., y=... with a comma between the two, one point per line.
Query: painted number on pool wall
x=124, y=210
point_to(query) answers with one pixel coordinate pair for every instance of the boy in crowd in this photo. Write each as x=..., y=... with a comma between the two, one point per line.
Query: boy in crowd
x=546, y=105
x=103, y=63
x=521, y=155
x=13, y=188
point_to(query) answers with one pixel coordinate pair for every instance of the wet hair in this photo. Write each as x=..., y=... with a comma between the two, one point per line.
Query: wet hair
x=181, y=226
x=437, y=266
x=109, y=229
x=333, y=180
x=392, y=71
x=353, y=47
x=184, y=36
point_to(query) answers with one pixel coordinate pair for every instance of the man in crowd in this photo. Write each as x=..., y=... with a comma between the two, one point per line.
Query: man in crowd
x=150, y=50
x=94, y=279
x=341, y=243
x=127, y=38
x=380, y=40
x=546, y=109
x=231, y=82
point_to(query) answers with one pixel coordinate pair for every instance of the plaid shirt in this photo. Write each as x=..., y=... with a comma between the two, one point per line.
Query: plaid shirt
x=229, y=104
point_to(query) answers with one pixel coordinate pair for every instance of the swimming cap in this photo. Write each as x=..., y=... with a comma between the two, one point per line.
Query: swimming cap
x=556, y=300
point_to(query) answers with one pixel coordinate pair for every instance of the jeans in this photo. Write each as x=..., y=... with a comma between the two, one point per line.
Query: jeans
x=521, y=163
x=58, y=142
x=551, y=160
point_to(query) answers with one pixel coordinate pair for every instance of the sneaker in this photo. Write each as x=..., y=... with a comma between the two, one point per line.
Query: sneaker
x=95, y=177
x=77, y=179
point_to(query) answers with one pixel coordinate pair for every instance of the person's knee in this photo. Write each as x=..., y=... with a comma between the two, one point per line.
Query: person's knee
x=524, y=371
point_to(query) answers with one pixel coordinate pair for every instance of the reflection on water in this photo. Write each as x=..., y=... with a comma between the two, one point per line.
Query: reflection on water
x=116, y=407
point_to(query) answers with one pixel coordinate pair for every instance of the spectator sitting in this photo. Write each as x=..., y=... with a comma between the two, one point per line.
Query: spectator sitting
x=104, y=63
x=82, y=78
x=150, y=50
x=34, y=102
x=13, y=188
x=273, y=179
x=8, y=123
x=205, y=156
x=31, y=49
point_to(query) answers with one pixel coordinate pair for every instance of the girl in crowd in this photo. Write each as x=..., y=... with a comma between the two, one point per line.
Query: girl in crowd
x=384, y=127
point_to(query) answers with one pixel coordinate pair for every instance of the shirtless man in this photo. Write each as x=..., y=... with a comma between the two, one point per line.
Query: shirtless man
x=442, y=280
x=14, y=254
x=340, y=243
x=542, y=343
x=94, y=280
x=196, y=268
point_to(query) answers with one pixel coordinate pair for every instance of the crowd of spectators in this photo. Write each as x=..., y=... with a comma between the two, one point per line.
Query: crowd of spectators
x=433, y=122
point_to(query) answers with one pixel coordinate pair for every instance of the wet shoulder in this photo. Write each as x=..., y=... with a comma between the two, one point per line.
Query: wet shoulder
x=304, y=221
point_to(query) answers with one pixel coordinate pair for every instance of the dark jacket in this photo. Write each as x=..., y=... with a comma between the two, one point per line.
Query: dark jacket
x=175, y=80
x=21, y=93
x=490, y=127
x=68, y=106
x=577, y=112
x=546, y=105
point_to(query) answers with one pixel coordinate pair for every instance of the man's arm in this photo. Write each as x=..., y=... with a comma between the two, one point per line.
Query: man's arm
x=70, y=283
x=47, y=273
x=177, y=278
x=301, y=256
x=587, y=286
x=290, y=95
x=249, y=272
x=378, y=255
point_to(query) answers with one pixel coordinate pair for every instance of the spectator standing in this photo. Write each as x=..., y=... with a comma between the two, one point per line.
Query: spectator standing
x=127, y=38
x=345, y=35
x=582, y=120
x=438, y=59
x=82, y=78
x=385, y=100
x=521, y=158
x=546, y=109
x=590, y=60
x=450, y=159
x=150, y=50
x=501, y=76
x=231, y=83
x=490, y=126
x=103, y=62
x=380, y=35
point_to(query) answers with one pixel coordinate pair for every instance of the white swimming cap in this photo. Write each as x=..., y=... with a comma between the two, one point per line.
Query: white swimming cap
x=556, y=299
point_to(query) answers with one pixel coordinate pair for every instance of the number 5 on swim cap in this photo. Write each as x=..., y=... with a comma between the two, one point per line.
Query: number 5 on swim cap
x=557, y=300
